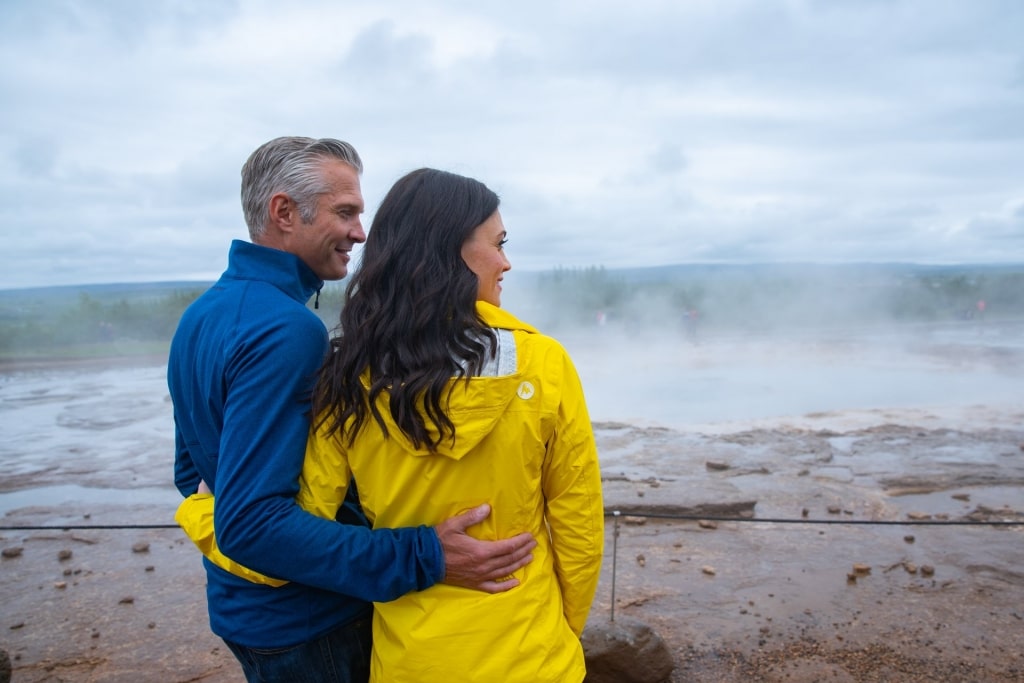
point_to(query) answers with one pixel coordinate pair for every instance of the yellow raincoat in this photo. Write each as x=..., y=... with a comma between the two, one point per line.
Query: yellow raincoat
x=524, y=445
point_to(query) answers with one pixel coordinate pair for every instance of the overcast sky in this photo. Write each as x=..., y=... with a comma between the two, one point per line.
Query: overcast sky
x=617, y=133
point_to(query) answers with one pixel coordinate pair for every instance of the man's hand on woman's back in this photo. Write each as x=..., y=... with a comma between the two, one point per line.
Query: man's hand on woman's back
x=481, y=565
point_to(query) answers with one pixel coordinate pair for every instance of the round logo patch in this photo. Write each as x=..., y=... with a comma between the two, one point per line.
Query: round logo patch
x=525, y=391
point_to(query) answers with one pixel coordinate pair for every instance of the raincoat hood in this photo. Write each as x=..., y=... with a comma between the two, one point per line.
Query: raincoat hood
x=475, y=407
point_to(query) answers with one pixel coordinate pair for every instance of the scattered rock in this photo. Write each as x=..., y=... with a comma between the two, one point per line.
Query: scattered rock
x=640, y=493
x=961, y=496
x=804, y=513
x=150, y=568
x=5, y=667
x=633, y=520
x=708, y=569
x=707, y=524
x=8, y=553
x=834, y=509
x=861, y=569
x=140, y=547
x=983, y=513
x=918, y=515
x=927, y=570
x=641, y=560
x=910, y=567
x=716, y=466
x=625, y=651
x=61, y=584
x=128, y=600
x=908, y=538
x=64, y=555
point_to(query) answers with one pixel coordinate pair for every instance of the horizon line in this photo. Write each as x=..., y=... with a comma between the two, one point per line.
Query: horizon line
x=681, y=264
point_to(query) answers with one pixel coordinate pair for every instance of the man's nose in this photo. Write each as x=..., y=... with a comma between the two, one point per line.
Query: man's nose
x=358, y=234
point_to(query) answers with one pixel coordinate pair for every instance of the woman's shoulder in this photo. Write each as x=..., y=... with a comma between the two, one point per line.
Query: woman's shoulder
x=499, y=318
x=541, y=353
x=527, y=337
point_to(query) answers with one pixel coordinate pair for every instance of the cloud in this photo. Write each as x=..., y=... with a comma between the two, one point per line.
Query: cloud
x=671, y=132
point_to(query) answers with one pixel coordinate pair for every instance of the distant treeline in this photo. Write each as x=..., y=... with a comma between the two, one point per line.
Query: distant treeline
x=89, y=324
x=106, y=319
x=126, y=319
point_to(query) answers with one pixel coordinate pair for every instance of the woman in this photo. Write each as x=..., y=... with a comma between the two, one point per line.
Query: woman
x=436, y=401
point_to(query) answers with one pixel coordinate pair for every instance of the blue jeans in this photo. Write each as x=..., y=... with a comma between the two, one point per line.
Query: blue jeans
x=342, y=656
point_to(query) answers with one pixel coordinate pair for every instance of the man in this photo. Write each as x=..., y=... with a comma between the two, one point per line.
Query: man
x=240, y=371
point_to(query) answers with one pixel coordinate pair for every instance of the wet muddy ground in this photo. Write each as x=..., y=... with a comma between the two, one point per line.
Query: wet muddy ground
x=837, y=545
x=866, y=573
x=817, y=594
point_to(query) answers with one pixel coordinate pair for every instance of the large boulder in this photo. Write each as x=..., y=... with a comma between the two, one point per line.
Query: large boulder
x=625, y=651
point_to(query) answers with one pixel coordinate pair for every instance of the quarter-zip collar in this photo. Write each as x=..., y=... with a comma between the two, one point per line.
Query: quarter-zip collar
x=281, y=269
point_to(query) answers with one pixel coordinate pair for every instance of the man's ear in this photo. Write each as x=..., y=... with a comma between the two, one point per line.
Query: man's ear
x=284, y=213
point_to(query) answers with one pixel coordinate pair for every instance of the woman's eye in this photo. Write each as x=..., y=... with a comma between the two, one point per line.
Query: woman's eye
x=502, y=243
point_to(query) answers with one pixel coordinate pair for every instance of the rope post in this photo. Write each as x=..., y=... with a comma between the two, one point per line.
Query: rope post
x=615, y=557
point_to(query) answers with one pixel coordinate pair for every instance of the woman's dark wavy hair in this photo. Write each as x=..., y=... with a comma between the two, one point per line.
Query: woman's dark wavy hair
x=410, y=312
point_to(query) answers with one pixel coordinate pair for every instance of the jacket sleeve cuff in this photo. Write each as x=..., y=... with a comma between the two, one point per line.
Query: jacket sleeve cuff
x=431, y=559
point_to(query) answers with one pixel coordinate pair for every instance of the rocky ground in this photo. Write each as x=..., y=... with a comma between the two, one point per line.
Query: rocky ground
x=864, y=574
x=801, y=587
x=752, y=602
x=110, y=606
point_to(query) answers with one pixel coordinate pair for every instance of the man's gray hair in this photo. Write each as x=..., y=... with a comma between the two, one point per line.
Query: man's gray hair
x=289, y=165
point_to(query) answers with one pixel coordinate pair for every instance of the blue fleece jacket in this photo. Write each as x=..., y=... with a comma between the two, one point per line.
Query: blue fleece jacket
x=241, y=367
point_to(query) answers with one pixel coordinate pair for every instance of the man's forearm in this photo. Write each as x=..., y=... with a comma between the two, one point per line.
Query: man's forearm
x=289, y=543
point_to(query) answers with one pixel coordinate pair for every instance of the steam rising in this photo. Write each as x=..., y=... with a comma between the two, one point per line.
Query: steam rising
x=701, y=345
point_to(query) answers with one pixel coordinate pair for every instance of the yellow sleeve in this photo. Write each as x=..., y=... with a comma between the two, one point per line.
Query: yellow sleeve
x=325, y=474
x=195, y=516
x=575, y=505
x=322, y=487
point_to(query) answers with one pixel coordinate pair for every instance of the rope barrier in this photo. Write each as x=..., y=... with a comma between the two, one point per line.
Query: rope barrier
x=804, y=520
x=617, y=515
x=615, y=558
x=613, y=513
